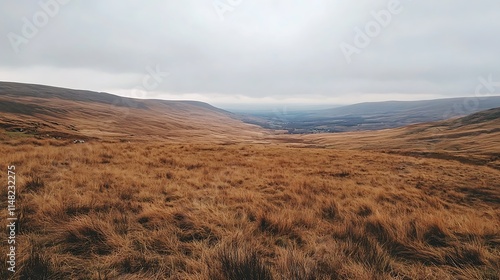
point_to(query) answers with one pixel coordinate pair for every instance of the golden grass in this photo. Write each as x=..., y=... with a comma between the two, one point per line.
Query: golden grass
x=152, y=210
x=49, y=118
x=455, y=139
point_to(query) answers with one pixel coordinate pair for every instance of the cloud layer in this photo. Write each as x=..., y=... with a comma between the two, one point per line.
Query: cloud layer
x=228, y=51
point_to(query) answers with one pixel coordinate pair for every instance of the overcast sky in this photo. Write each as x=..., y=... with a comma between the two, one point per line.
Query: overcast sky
x=253, y=51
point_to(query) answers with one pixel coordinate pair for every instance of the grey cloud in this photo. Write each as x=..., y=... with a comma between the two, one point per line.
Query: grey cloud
x=265, y=48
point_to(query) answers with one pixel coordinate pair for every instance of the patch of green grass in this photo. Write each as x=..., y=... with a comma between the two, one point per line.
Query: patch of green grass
x=17, y=134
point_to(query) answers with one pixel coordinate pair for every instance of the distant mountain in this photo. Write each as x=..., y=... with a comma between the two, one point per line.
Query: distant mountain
x=374, y=115
x=429, y=108
x=52, y=112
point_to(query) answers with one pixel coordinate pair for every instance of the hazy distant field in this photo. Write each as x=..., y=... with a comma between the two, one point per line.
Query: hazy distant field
x=366, y=116
x=152, y=210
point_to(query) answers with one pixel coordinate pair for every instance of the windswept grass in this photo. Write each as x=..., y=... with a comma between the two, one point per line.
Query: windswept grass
x=150, y=210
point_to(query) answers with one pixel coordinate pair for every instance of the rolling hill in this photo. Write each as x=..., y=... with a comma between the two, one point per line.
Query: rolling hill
x=50, y=112
x=372, y=115
x=473, y=139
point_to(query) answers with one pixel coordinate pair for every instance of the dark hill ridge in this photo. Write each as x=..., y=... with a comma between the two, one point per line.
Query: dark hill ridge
x=376, y=115
x=47, y=92
x=43, y=91
x=480, y=117
x=400, y=113
x=28, y=109
x=47, y=111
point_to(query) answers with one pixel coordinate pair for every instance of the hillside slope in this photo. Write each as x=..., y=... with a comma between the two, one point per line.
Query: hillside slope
x=474, y=139
x=50, y=112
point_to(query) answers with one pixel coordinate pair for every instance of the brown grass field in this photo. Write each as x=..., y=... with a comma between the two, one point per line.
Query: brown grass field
x=153, y=210
x=186, y=192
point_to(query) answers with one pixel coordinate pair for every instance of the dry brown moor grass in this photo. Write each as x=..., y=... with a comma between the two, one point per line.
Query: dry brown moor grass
x=145, y=210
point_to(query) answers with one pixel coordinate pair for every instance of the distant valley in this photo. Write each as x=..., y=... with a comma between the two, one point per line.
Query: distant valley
x=370, y=115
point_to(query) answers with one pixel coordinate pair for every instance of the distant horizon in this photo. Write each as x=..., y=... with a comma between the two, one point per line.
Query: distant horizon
x=264, y=105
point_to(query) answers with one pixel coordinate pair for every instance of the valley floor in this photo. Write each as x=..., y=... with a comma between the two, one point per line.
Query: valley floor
x=150, y=210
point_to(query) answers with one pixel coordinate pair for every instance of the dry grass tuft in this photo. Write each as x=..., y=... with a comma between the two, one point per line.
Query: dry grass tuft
x=33, y=185
x=87, y=236
x=152, y=210
x=238, y=262
x=330, y=212
x=37, y=266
